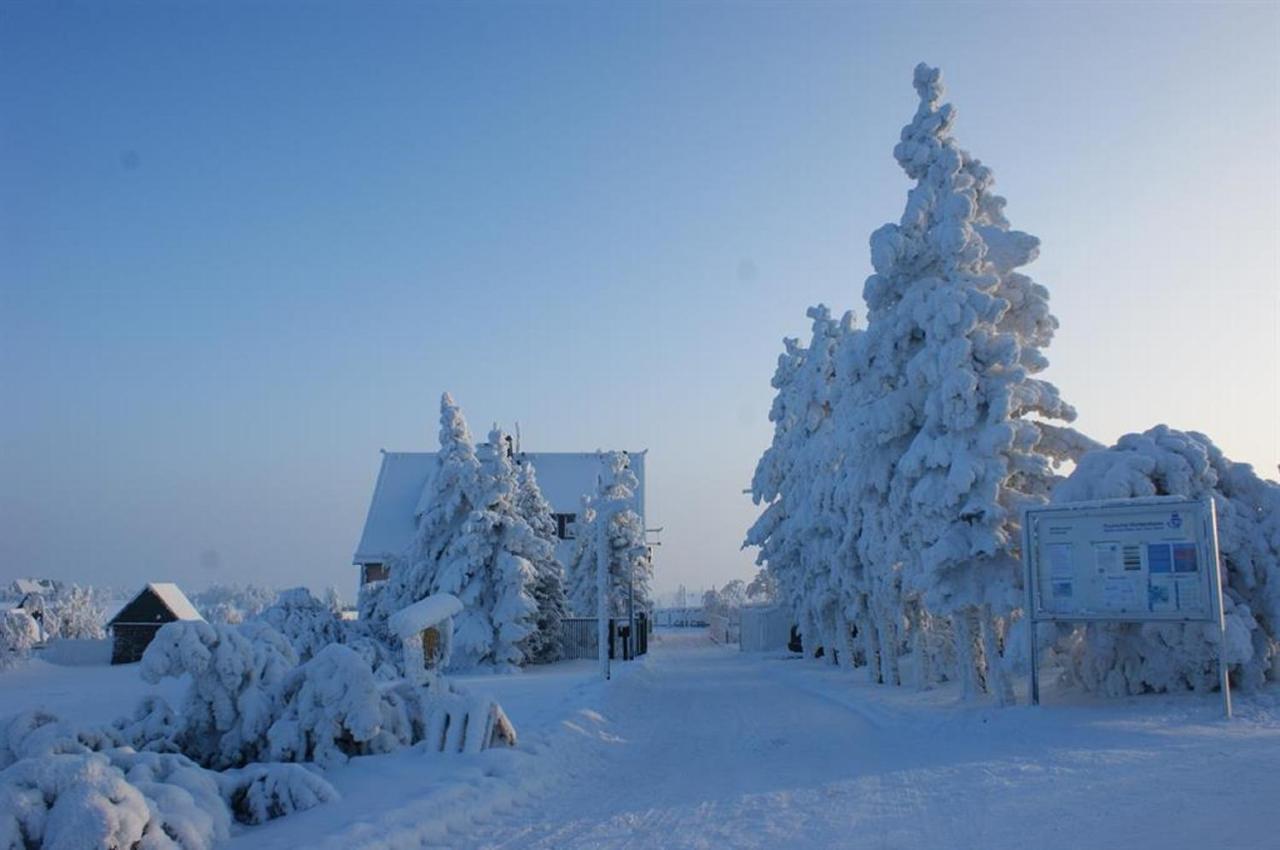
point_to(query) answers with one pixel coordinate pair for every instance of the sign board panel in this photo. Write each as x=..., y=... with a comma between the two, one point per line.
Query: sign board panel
x=1127, y=561
x=1124, y=561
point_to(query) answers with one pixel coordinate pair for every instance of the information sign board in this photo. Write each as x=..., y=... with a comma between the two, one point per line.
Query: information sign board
x=1127, y=560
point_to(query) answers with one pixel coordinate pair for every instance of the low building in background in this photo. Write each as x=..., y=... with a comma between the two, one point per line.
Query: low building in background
x=133, y=629
x=400, y=493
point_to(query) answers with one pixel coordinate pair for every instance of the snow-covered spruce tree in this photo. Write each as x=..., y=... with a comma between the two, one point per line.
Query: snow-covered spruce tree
x=307, y=623
x=800, y=529
x=613, y=528
x=580, y=572
x=1127, y=658
x=489, y=567
x=18, y=634
x=771, y=533
x=947, y=413
x=447, y=505
x=544, y=644
x=233, y=697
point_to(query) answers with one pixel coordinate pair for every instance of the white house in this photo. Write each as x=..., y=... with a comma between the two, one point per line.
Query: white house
x=401, y=489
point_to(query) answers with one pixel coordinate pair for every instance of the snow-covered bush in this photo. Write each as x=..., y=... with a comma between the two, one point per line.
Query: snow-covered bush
x=18, y=634
x=609, y=527
x=332, y=710
x=1122, y=659
x=78, y=613
x=71, y=786
x=152, y=727
x=73, y=802
x=307, y=623
x=235, y=686
x=377, y=651
x=262, y=792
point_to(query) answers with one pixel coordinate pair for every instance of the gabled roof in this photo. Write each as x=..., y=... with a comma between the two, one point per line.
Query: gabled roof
x=400, y=494
x=167, y=594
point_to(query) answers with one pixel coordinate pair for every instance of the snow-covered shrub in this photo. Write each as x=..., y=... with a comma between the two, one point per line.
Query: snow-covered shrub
x=18, y=634
x=307, y=623
x=77, y=613
x=610, y=527
x=386, y=663
x=119, y=799
x=262, y=792
x=234, y=693
x=80, y=787
x=152, y=727
x=1173, y=656
x=332, y=710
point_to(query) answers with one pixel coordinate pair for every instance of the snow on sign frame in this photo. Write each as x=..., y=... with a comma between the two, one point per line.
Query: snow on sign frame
x=1123, y=561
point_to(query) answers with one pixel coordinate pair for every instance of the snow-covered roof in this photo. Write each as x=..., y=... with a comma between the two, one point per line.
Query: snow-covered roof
x=23, y=586
x=401, y=489
x=175, y=600
x=424, y=614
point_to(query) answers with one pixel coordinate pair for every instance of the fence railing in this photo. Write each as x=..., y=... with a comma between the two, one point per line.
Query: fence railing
x=578, y=637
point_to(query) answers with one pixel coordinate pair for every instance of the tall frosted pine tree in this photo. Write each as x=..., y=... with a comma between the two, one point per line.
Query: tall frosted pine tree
x=489, y=567
x=544, y=645
x=448, y=503
x=947, y=405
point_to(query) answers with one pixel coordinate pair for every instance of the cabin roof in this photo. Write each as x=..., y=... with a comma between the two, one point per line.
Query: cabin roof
x=167, y=594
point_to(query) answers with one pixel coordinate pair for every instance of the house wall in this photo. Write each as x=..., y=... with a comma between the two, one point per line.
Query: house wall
x=129, y=641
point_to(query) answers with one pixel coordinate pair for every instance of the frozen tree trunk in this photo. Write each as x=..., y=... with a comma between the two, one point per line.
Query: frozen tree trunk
x=602, y=596
x=888, y=632
x=808, y=634
x=997, y=679
x=964, y=622
x=871, y=645
x=846, y=639
x=831, y=639
x=920, y=648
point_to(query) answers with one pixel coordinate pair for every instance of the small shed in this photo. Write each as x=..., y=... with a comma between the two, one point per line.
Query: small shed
x=133, y=629
x=765, y=628
x=426, y=630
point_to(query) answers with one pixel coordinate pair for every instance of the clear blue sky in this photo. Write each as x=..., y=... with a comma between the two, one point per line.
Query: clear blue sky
x=243, y=247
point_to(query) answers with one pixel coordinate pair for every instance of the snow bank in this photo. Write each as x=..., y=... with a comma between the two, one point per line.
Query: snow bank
x=77, y=652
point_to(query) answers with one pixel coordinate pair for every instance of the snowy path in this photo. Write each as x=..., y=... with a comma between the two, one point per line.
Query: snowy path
x=716, y=749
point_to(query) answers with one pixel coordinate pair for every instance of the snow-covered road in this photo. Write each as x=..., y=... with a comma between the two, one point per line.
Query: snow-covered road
x=718, y=749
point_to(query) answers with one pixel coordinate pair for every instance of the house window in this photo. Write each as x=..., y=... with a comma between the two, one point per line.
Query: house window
x=566, y=526
x=375, y=572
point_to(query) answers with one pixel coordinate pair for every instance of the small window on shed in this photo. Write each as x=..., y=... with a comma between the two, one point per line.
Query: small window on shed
x=375, y=572
x=566, y=526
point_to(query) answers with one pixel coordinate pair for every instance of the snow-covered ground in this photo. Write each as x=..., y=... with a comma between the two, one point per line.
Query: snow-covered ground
x=701, y=746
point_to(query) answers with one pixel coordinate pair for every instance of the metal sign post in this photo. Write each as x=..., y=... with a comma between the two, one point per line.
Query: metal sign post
x=1124, y=561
